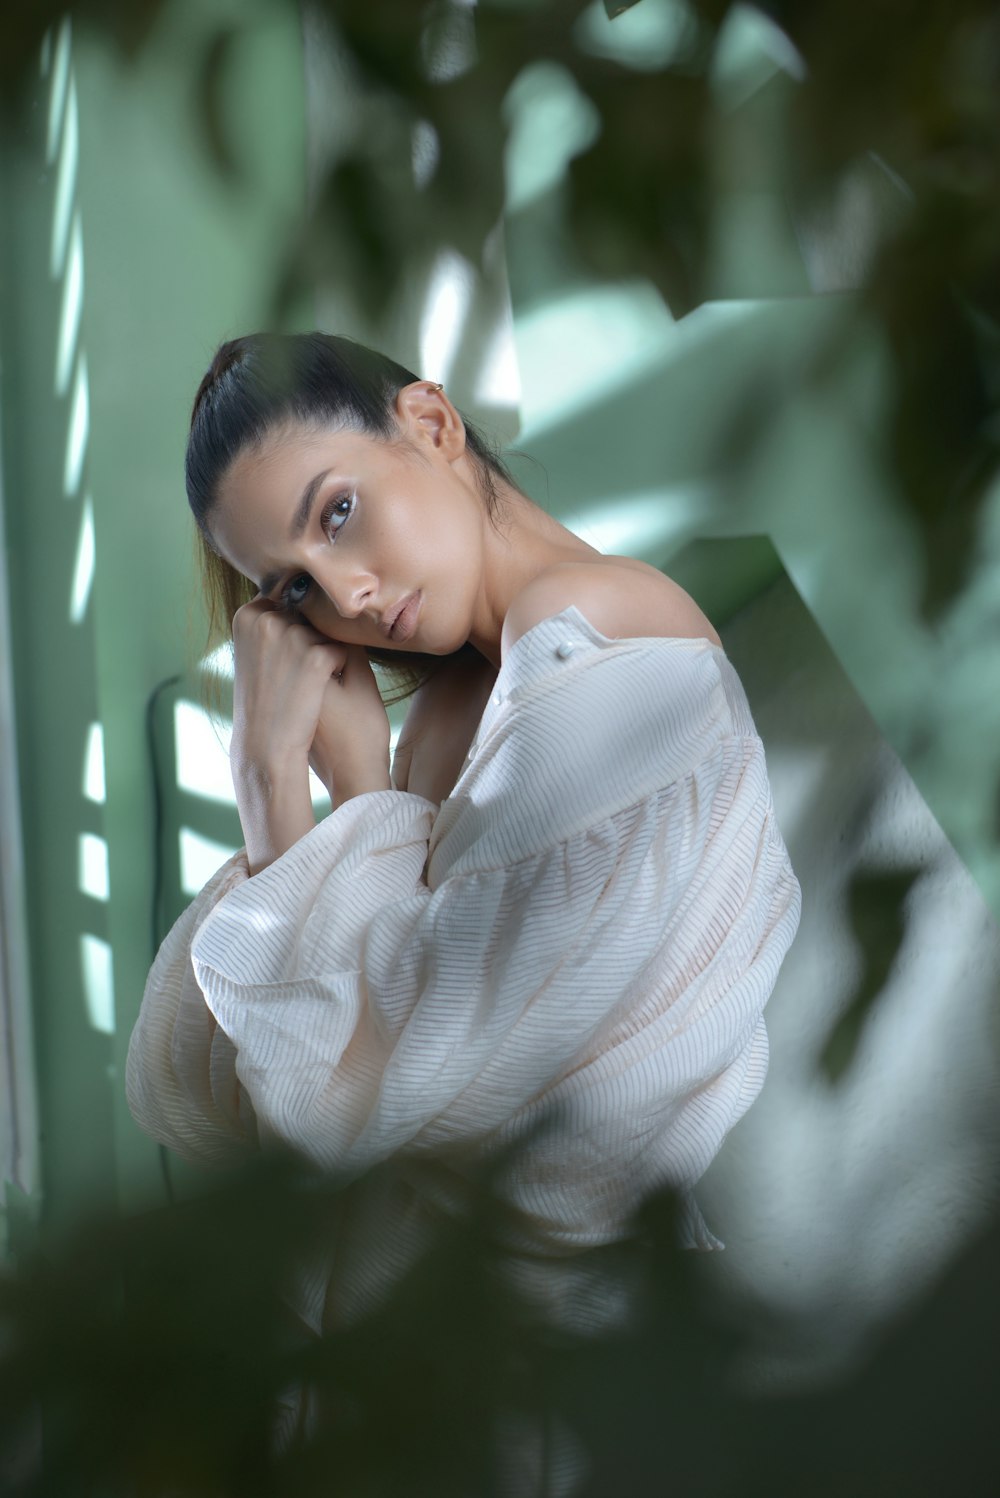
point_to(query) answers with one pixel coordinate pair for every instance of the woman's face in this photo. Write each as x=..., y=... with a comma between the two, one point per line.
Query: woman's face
x=373, y=542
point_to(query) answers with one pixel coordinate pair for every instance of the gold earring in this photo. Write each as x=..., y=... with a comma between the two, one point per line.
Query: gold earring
x=435, y=387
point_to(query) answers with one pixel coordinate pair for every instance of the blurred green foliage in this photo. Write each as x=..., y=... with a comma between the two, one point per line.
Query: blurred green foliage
x=157, y=1349
x=921, y=90
x=876, y=903
x=918, y=87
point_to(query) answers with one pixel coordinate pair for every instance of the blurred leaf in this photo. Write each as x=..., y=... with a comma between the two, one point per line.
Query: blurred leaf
x=210, y=93
x=351, y=215
x=128, y=24
x=618, y=7
x=385, y=40
x=876, y=904
x=639, y=197
x=944, y=441
x=157, y=1348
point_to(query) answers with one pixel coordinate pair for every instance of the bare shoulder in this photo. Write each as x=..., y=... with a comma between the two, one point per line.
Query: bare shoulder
x=621, y=597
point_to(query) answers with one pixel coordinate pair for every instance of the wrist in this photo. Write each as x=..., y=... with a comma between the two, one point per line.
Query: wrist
x=268, y=775
x=275, y=806
x=349, y=782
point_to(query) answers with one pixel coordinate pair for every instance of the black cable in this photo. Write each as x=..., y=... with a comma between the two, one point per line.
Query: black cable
x=156, y=900
x=155, y=936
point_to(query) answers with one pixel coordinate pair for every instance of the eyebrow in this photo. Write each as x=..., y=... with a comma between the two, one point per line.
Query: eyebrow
x=299, y=522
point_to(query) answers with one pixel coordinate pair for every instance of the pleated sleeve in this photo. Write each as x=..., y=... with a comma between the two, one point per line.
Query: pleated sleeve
x=573, y=952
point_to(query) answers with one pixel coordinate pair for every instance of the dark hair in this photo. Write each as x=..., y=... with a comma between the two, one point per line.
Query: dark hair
x=262, y=380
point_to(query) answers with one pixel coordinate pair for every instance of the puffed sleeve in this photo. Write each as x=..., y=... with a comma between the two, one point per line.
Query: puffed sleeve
x=180, y=1073
x=576, y=951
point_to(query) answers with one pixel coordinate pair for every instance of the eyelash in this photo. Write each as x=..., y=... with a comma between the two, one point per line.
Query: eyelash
x=325, y=524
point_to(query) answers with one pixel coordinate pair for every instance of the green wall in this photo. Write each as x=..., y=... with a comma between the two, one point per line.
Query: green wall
x=173, y=259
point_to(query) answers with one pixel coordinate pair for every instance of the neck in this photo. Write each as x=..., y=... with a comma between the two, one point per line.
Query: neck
x=521, y=542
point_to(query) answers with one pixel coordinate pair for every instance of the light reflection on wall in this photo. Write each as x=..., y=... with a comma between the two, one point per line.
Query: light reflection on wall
x=72, y=307
x=78, y=430
x=200, y=858
x=449, y=298
x=583, y=345
x=83, y=567
x=98, y=982
x=69, y=161
x=70, y=381
x=93, y=764
x=58, y=86
x=499, y=381
x=201, y=747
x=92, y=864
x=642, y=524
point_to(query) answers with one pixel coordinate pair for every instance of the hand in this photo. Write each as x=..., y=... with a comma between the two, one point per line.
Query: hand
x=350, y=748
x=283, y=668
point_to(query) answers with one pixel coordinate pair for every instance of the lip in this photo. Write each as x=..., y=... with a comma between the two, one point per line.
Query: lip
x=401, y=620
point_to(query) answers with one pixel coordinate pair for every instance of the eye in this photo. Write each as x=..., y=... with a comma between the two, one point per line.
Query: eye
x=336, y=513
x=294, y=595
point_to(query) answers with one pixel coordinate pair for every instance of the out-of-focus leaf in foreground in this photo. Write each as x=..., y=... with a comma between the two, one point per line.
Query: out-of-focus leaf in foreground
x=24, y=25
x=157, y=1350
x=916, y=91
x=879, y=924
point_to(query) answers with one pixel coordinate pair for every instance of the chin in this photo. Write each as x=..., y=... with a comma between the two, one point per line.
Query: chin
x=440, y=641
x=421, y=647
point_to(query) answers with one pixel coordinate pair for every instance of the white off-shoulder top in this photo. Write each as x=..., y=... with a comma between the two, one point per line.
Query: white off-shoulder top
x=586, y=932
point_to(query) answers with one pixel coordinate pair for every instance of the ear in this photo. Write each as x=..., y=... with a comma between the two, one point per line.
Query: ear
x=427, y=417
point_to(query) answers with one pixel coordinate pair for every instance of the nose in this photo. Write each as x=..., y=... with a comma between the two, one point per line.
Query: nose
x=350, y=593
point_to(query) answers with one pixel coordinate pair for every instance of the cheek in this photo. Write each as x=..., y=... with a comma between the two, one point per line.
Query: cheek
x=386, y=532
x=321, y=614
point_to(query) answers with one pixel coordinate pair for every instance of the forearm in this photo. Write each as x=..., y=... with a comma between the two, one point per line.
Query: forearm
x=350, y=770
x=275, y=808
x=358, y=782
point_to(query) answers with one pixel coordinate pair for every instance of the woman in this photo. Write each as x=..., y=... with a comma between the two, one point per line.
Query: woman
x=553, y=923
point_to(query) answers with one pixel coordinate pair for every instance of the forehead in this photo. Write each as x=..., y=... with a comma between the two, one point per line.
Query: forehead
x=260, y=492
x=277, y=468
x=279, y=454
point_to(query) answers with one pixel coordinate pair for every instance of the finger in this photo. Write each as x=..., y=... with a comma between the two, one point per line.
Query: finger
x=355, y=663
x=353, y=667
x=258, y=605
x=251, y=615
x=262, y=616
x=297, y=619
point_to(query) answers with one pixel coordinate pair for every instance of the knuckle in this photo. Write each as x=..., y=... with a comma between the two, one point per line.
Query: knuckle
x=256, y=614
x=272, y=625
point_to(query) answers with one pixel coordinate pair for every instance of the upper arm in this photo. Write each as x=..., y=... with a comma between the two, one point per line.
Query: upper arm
x=620, y=598
x=418, y=715
x=443, y=716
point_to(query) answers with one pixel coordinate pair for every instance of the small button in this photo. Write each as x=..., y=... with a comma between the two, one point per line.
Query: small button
x=565, y=649
x=496, y=699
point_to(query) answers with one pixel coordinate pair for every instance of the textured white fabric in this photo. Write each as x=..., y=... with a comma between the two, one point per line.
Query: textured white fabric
x=585, y=932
